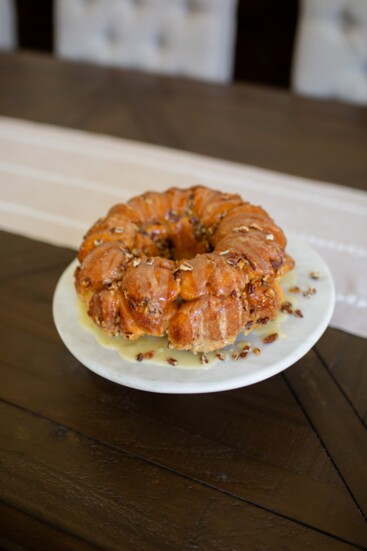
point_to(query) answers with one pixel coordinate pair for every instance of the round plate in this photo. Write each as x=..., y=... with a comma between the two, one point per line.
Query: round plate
x=300, y=335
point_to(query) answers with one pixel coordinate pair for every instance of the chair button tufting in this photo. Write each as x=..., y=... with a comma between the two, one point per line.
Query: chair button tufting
x=331, y=50
x=112, y=35
x=348, y=21
x=188, y=37
x=161, y=40
x=194, y=6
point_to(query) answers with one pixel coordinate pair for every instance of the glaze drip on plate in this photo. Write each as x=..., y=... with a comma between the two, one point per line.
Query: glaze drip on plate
x=130, y=350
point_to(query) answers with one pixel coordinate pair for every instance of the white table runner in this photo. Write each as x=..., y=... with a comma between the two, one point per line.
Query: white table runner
x=55, y=182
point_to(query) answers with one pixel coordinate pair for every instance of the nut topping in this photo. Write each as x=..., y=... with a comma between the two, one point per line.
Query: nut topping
x=294, y=289
x=232, y=262
x=263, y=321
x=186, y=267
x=286, y=307
x=144, y=355
x=310, y=291
x=270, y=338
x=255, y=226
x=241, y=229
x=172, y=361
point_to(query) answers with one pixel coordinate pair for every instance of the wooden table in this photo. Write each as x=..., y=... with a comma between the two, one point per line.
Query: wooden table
x=88, y=464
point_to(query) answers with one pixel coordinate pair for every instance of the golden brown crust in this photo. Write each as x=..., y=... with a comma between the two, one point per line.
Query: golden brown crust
x=207, y=323
x=196, y=264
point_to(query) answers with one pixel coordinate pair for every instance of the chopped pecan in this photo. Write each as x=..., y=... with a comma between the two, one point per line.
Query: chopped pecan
x=186, y=267
x=270, y=338
x=286, y=307
x=294, y=289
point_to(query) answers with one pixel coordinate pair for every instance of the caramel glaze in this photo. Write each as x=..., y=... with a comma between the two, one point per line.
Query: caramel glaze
x=197, y=265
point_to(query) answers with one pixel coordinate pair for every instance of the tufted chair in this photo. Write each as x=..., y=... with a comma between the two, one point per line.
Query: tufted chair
x=187, y=37
x=7, y=25
x=330, y=58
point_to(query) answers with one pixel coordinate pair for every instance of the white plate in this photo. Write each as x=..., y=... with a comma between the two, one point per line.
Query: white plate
x=301, y=335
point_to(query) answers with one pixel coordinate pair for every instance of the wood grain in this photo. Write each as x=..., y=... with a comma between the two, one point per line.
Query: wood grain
x=195, y=436
x=248, y=124
x=276, y=465
x=341, y=432
x=345, y=357
x=17, y=527
x=122, y=501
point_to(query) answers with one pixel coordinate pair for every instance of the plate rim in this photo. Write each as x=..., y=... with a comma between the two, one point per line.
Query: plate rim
x=196, y=386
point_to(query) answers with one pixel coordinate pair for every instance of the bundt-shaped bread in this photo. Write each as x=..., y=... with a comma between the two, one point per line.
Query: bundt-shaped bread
x=197, y=265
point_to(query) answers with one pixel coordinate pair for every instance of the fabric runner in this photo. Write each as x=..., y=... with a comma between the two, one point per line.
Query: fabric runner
x=55, y=182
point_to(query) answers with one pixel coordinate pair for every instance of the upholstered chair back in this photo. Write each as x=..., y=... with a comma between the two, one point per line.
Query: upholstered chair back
x=330, y=58
x=185, y=37
x=8, y=37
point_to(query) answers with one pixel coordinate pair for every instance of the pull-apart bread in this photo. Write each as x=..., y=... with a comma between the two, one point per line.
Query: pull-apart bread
x=197, y=265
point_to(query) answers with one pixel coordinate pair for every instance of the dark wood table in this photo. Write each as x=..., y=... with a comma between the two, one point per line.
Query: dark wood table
x=86, y=463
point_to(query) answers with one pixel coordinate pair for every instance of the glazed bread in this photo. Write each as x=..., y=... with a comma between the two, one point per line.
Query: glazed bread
x=195, y=264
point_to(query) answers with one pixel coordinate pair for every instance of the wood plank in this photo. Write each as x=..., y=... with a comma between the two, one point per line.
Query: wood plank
x=96, y=493
x=213, y=463
x=18, y=531
x=340, y=430
x=254, y=443
x=111, y=499
x=254, y=125
x=218, y=530
x=268, y=456
x=20, y=256
x=39, y=88
x=345, y=356
x=231, y=122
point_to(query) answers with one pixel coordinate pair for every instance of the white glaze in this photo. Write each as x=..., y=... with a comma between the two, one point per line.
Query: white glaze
x=128, y=350
x=224, y=375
